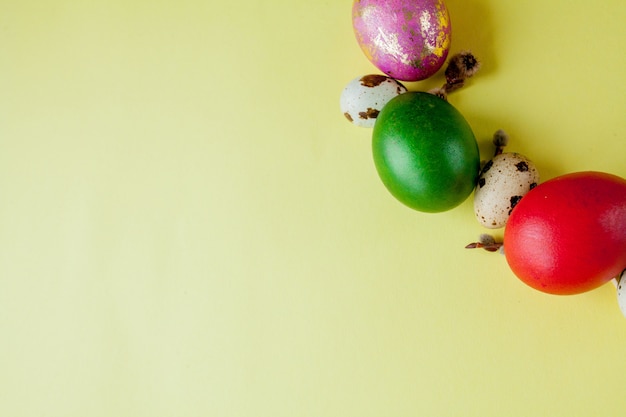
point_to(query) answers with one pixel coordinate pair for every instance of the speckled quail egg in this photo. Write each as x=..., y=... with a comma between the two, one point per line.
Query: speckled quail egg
x=502, y=183
x=364, y=97
x=621, y=292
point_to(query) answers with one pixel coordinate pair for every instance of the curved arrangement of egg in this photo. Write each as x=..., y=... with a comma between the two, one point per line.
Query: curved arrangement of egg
x=409, y=40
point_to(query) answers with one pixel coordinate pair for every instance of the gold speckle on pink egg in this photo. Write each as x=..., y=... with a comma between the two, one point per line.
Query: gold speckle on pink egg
x=406, y=39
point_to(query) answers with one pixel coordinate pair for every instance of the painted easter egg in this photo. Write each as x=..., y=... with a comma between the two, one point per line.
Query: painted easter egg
x=408, y=40
x=568, y=234
x=425, y=152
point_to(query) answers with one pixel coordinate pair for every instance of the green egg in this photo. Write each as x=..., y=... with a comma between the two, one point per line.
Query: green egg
x=425, y=152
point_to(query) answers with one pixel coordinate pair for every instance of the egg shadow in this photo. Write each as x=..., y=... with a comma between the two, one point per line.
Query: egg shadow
x=485, y=126
x=472, y=30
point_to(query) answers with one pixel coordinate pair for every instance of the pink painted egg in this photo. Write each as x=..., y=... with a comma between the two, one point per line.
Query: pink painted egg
x=406, y=39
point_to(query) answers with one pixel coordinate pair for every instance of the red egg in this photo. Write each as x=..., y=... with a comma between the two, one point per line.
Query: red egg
x=568, y=235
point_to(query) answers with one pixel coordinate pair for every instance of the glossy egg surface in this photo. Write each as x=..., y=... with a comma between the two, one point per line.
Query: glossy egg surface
x=408, y=40
x=568, y=234
x=425, y=152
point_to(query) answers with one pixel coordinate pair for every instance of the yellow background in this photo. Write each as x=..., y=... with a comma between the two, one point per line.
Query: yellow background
x=189, y=226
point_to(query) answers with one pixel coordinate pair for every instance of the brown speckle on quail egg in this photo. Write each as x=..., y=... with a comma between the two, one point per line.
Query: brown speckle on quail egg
x=621, y=292
x=364, y=97
x=502, y=183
